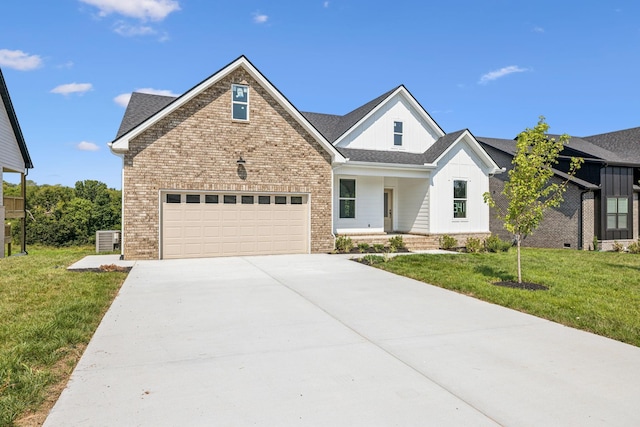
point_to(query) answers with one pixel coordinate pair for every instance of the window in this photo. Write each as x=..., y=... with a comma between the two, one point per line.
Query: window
x=211, y=198
x=230, y=200
x=173, y=198
x=240, y=102
x=617, y=212
x=347, y=198
x=247, y=200
x=193, y=198
x=459, y=199
x=296, y=200
x=281, y=200
x=397, y=133
x=264, y=200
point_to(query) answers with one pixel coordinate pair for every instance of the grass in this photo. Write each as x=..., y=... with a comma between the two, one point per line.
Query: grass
x=597, y=292
x=47, y=316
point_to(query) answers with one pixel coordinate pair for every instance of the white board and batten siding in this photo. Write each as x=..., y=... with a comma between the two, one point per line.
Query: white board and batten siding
x=461, y=163
x=376, y=132
x=369, y=206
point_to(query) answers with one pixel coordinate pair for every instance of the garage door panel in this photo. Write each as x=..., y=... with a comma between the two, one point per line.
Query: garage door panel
x=226, y=229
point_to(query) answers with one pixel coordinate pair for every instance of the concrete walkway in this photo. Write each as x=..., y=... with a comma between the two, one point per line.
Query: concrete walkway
x=318, y=340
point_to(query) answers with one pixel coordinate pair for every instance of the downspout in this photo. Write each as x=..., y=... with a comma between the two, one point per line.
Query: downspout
x=23, y=184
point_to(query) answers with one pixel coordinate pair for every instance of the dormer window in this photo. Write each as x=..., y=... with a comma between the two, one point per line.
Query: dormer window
x=397, y=133
x=240, y=102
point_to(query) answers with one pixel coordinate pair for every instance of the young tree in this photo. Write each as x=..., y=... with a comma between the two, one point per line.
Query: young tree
x=528, y=190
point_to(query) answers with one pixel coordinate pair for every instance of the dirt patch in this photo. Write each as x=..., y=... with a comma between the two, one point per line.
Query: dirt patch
x=524, y=285
x=105, y=268
x=62, y=371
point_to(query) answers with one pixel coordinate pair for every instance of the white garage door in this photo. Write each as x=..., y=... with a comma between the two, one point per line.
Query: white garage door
x=196, y=225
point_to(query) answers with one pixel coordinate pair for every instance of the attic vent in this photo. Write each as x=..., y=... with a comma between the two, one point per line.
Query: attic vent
x=107, y=240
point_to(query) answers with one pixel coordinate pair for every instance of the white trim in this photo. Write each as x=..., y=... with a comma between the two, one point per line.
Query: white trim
x=412, y=101
x=384, y=169
x=121, y=145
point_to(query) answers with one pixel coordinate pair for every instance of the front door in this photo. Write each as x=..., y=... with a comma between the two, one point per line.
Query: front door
x=388, y=210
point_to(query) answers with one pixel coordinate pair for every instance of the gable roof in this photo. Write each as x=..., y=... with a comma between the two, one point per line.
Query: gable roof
x=121, y=143
x=335, y=127
x=13, y=119
x=429, y=158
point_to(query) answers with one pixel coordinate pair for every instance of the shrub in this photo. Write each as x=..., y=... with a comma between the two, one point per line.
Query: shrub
x=634, y=247
x=363, y=247
x=378, y=247
x=494, y=243
x=473, y=245
x=595, y=243
x=396, y=243
x=372, y=259
x=344, y=243
x=447, y=242
x=617, y=246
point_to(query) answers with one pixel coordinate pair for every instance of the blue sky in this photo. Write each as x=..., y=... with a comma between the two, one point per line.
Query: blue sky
x=492, y=66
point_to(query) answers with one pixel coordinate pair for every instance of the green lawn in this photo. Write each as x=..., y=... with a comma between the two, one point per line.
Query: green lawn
x=47, y=316
x=594, y=291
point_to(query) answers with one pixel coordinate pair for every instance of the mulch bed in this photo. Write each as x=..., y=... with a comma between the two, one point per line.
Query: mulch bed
x=524, y=285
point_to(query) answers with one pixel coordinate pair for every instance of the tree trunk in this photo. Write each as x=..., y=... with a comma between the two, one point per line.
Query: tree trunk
x=519, y=269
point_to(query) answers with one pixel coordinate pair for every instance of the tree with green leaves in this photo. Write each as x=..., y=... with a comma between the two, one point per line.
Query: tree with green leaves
x=529, y=191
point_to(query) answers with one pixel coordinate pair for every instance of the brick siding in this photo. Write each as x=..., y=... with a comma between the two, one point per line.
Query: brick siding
x=560, y=226
x=196, y=148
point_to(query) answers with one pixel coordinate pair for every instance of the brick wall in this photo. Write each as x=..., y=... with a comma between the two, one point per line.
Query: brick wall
x=559, y=226
x=196, y=148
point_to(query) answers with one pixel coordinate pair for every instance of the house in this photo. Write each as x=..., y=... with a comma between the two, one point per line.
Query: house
x=14, y=158
x=231, y=167
x=601, y=201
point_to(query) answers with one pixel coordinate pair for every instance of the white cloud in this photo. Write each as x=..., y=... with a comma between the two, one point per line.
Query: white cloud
x=87, y=146
x=68, y=64
x=538, y=30
x=505, y=71
x=123, y=99
x=70, y=88
x=260, y=18
x=19, y=60
x=155, y=10
x=127, y=30
x=325, y=4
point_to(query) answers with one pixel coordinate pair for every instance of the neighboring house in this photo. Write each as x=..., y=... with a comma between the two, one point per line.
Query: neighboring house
x=601, y=201
x=231, y=167
x=14, y=158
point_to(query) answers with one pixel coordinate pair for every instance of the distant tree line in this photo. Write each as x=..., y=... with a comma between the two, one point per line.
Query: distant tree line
x=65, y=216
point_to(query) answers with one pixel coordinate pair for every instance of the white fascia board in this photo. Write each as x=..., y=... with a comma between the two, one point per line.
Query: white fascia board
x=384, y=169
x=477, y=148
x=412, y=101
x=121, y=145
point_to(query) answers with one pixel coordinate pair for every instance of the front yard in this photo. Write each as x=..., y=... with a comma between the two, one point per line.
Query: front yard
x=48, y=316
x=597, y=292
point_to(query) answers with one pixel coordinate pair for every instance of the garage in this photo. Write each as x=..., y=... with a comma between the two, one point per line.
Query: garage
x=206, y=224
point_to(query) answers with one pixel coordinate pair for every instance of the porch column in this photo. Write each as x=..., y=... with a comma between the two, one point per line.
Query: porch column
x=588, y=220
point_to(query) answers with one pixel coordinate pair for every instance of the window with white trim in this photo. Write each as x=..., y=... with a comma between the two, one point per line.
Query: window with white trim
x=617, y=212
x=459, y=199
x=347, y=198
x=240, y=102
x=397, y=133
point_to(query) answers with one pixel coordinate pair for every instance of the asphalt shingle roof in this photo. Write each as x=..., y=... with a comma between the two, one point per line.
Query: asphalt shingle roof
x=333, y=127
x=142, y=106
x=625, y=143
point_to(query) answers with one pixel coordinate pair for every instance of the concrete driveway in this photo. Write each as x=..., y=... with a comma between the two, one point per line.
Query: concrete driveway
x=321, y=340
